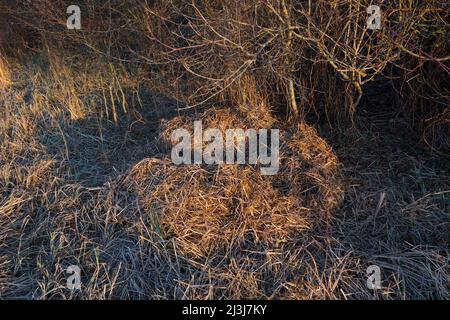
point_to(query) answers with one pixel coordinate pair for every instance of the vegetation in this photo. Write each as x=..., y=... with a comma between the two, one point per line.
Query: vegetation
x=85, y=171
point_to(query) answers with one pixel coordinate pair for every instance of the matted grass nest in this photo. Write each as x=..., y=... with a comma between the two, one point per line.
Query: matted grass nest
x=244, y=230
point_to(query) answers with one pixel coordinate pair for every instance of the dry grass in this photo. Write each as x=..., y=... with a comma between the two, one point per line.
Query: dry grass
x=86, y=178
x=238, y=226
x=5, y=76
x=107, y=198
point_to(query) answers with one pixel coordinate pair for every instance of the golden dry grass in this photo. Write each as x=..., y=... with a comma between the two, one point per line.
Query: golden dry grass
x=108, y=198
x=86, y=178
x=236, y=224
x=5, y=76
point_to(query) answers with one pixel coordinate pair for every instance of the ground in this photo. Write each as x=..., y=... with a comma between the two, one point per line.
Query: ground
x=87, y=190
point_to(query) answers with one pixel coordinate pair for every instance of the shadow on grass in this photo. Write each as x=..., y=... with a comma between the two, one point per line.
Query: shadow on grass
x=96, y=150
